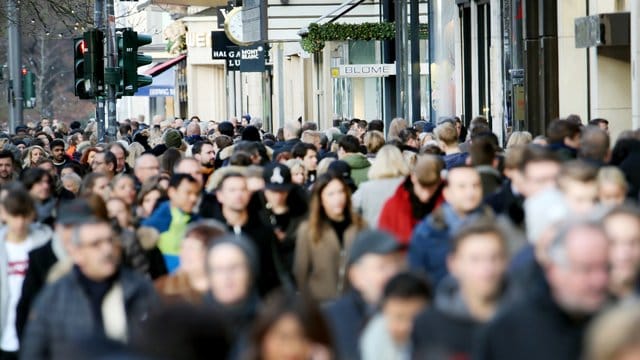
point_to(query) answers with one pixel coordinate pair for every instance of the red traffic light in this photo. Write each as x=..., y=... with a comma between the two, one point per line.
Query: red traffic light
x=81, y=47
x=24, y=71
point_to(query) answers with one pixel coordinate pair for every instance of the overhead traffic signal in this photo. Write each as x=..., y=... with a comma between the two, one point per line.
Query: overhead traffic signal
x=94, y=62
x=129, y=60
x=28, y=89
x=88, y=72
x=79, y=49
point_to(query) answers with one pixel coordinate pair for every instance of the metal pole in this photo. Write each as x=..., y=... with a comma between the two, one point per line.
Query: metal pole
x=98, y=16
x=387, y=11
x=112, y=62
x=415, y=61
x=401, y=59
x=15, y=65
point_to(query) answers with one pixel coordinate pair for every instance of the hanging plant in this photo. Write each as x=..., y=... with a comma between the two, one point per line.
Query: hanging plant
x=318, y=34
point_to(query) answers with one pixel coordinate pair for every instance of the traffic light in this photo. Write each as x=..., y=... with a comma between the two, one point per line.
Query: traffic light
x=28, y=89
x=94, y=62
x=88, y=71
x=79, y=49
x=129, y=59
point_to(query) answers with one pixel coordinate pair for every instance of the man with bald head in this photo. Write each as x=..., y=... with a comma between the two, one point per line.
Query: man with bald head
x=145, y=167
x=431, y=240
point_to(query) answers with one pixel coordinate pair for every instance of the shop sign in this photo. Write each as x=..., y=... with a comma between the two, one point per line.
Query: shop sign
x=363, y=70
x=252, y=58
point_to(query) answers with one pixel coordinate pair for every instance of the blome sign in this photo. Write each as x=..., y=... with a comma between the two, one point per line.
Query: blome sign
x=363, y=70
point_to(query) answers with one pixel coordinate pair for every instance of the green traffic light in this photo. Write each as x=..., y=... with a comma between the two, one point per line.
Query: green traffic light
x=129, y=60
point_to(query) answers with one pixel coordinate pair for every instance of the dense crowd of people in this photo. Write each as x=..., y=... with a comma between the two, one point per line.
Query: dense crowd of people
x=186, y=239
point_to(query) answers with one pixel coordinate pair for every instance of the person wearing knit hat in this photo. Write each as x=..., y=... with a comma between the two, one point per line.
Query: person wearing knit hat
x=173, y=139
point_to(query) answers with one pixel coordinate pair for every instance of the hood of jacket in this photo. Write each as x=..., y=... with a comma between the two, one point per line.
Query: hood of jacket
x=357, y=161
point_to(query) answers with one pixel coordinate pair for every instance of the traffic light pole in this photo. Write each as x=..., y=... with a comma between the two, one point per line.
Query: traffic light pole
x=98, y=17
x=112, y=62
x=15, y=66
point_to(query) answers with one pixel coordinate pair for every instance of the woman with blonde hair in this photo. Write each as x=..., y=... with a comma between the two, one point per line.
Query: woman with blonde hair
x=385, y=175
x=612, y=186
x=298, y=172
x=373, y=141
x=33, y=155
x=396, y=126
x=519, y=138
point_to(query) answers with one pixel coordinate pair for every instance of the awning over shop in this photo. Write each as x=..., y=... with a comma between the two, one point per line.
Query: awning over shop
x=163, y=85
x=163, y=66
x=164, y=78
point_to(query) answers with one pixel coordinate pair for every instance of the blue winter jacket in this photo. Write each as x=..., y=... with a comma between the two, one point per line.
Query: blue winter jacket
x=431, y=241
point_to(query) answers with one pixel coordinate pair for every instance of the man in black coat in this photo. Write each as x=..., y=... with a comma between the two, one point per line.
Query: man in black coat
x=551, y=324
x=233, y=209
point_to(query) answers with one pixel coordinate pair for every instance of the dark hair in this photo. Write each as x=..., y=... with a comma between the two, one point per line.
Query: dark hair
x=349, y=144
x=31, y=176
x=482, y=152
x=56, y=143
x=124, y=129
x=19, y=202
x=6, y=154
x=170, y=159
x=223, y=141
x=197, y=333
x=226, y=128
x=408, y=134
x=317, y=215
x=309, y=125
x=280, y=304
x=110, y=158
x=598, y=121
x=77, y=168
x=116, y=143
x=300, y=149
x=407, y=285
x=560, y=129
x=177, y=179
x=197, y=147
x=376, y=125
x=240, y=158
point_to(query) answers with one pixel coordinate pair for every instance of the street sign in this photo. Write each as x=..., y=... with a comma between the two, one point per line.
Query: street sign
x=363, y=70
x=233, y=58
x=219, y=44
x=254, y=20
x=252, y=58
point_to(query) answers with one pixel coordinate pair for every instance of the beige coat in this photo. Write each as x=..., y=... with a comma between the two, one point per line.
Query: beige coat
x=320, y=267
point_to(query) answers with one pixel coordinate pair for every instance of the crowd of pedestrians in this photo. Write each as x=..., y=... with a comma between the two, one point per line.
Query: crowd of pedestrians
x=196, y=240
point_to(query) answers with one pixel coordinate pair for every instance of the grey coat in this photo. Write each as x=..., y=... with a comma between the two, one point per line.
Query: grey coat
x=371, y=196
x=39, y=234
x=61, y=315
